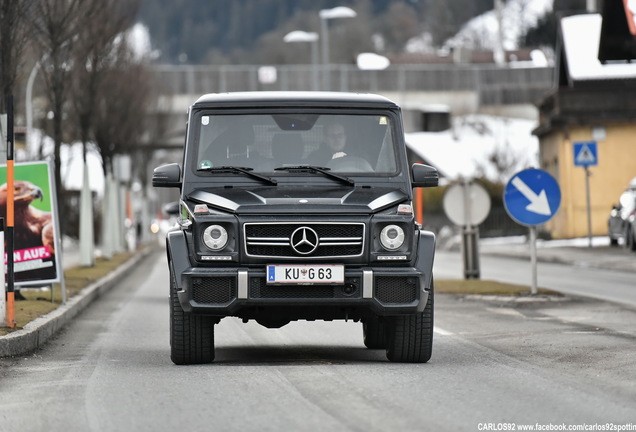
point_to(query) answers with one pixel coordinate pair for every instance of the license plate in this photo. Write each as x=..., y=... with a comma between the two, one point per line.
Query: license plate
x=305, y=274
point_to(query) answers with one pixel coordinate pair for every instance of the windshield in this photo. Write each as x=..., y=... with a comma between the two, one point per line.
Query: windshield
x=344, y=143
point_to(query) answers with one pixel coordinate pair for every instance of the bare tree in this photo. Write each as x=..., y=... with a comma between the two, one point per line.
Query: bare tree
x=119, y=121
x=503, y=160
x=13, y=40
x=56, y=24
x=398, y=25
x=94, y=52
x=444, y=18
x=350, y=36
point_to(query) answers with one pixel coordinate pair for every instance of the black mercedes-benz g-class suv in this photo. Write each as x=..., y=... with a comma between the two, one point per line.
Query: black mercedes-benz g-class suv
x=297, y=205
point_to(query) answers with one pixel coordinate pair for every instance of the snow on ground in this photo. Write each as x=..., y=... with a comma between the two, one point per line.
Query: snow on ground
x=463, y=151
x=541, y=243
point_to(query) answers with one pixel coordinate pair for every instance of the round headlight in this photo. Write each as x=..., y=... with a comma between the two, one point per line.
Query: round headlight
x=392, y=237
x=215, y=237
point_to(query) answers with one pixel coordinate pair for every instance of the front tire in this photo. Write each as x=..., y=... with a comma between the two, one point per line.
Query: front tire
x=191, y=336
x=410, y=337
x=374, y=333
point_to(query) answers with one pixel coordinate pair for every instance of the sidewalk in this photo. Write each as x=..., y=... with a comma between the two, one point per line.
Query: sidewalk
x=576, y=252
x=38, y=331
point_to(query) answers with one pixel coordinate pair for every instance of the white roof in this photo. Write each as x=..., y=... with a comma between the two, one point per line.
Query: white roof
x=581, y=37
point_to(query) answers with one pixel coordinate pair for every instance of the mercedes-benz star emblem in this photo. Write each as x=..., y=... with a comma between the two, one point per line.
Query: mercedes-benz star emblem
x=304, y=240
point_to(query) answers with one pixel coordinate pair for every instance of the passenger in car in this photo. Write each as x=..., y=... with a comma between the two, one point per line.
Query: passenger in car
x=334, y=146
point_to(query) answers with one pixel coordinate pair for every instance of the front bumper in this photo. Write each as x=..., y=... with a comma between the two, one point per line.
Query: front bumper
x=244, y=291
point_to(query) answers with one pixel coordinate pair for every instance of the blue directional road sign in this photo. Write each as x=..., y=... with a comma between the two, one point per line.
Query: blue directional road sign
x=585, y=153
x=532, y=196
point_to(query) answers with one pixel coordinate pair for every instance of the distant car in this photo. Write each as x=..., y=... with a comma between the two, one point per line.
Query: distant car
x=621, y=223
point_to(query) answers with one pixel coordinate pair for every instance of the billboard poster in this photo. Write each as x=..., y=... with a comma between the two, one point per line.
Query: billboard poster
x=37, y=254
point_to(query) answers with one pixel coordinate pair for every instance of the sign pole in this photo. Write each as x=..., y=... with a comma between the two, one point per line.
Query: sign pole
x=533, y=258
x=589, y=210
x=586, y=155
x=10, y=217
x=3, y=269
x=3, y=302
x=467, y=204
x=532, y=197
x=466, y=237
x=469, y=237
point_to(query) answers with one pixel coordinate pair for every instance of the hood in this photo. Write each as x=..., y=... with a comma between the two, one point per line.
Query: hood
x=306, y=200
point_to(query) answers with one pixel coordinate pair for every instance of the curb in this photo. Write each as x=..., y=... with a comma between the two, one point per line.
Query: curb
x=40, y=330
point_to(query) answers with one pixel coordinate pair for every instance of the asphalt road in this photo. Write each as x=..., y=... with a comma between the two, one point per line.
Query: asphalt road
x=599, y=283
x=544, y=361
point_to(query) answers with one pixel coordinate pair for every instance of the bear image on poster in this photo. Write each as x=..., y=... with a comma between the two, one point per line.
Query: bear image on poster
x=33, y=227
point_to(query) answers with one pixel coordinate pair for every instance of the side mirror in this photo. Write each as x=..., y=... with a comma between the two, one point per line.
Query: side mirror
x=172, y=208
x=424, y=176
x=167, y=176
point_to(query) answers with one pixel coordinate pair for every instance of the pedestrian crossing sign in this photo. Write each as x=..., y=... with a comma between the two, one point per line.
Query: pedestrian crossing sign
x=585, y=153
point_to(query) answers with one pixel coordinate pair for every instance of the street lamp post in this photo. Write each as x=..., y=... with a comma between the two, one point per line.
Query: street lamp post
x=312, y=38
x=29, y=105
x=325, y=15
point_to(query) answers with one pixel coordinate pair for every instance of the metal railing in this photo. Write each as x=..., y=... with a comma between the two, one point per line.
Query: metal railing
x=494, y=85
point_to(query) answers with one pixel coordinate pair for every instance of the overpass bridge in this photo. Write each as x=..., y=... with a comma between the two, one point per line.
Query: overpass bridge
x=510, y=90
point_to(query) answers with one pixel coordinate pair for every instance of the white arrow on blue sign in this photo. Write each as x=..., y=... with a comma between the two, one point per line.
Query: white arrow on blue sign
x=585, y=153
x=532, y=197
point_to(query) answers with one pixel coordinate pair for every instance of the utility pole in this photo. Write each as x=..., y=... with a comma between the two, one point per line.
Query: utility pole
x=499, y=54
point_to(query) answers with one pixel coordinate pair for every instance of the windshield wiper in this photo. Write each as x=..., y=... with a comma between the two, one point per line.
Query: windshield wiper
x=244, y=170
x=322, y=170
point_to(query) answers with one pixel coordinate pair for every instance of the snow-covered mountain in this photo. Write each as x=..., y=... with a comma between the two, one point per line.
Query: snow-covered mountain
x=517, y=17
x=482, y=32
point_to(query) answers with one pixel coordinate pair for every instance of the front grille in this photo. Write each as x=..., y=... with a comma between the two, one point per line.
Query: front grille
x=391, y=289
x=259, y=289
x=213, y=289
x=275, y=240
